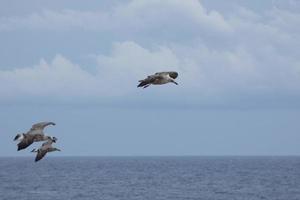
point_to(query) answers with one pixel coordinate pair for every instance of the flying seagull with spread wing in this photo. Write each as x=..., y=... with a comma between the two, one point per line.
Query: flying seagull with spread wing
x=159, y=78
x=35, y=134
x=45, y=148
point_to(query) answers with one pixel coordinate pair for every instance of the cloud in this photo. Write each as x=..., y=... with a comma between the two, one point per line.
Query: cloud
x=189, y=15
x=115, y=75
x=56, y=79
x=244, y=53
x=204, y=73
x=55, y=20
x=131, y=58
x=136, y=16
x=291, y=5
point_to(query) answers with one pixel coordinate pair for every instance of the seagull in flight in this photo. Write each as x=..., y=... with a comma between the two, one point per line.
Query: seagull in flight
x=159, y=78
x=45, y=148
x=35, y=134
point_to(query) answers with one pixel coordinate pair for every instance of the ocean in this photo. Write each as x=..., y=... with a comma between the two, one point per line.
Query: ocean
x=150, y=178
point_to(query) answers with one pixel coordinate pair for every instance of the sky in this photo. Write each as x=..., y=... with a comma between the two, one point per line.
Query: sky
x=77, y=63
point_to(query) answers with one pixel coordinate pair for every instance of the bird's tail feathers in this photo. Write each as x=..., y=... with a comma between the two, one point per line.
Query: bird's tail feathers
x=18, y=137
x=142, y=83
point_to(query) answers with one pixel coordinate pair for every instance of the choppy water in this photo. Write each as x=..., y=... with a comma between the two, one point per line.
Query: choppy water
x=164, y=178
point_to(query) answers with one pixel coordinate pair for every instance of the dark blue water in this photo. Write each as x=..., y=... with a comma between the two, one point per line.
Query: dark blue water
x=108, y=178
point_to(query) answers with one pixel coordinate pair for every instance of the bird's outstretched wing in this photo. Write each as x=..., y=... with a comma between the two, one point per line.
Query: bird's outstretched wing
x=40, y=154
x=150, y=79
x=41, y=125
x=146, y=81
x=172, y=74
x=26, y=142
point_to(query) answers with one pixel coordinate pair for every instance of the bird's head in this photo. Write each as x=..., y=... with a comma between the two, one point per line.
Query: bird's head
x=173, y=75
x=54, y=139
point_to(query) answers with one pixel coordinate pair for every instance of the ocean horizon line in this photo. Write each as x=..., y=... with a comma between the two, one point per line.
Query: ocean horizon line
x=149, y=156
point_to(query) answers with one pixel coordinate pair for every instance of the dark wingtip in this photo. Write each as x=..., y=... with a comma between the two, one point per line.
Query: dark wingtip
x=20, y=147
x=142, y=84
x=16, y=137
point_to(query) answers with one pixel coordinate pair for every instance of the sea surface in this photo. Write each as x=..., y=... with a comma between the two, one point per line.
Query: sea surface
x=150, y=178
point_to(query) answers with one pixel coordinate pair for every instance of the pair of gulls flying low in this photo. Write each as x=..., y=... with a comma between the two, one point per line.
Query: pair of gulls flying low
x=36, y=134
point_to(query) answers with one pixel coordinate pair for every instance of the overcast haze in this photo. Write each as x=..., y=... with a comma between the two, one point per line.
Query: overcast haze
x=77, y=63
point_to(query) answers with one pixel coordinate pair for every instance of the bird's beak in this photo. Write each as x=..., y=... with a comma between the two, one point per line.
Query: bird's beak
x=175, y=82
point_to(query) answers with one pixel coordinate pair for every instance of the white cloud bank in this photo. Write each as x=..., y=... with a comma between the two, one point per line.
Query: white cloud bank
x=244, y=53
x=134, y=16
x=115, y=75
x=206, y=72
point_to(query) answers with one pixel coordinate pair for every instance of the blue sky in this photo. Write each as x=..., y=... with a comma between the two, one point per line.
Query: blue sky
x=77, y=63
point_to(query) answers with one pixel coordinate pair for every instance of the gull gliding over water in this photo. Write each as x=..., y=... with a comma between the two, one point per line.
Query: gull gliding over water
x=35, y=134
x=45, y=148
x=159, y=78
